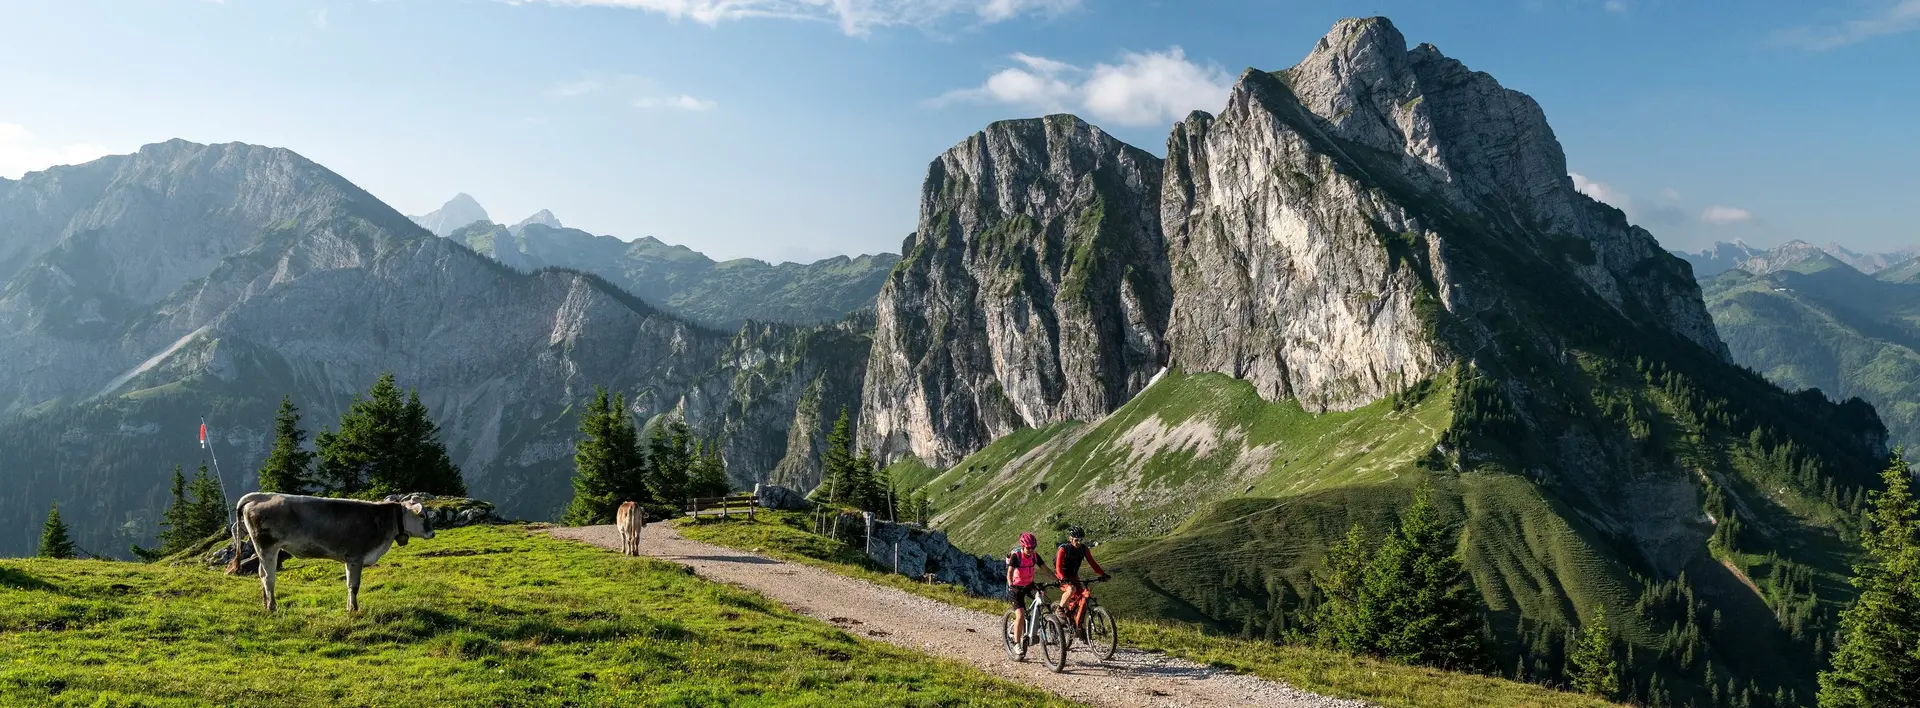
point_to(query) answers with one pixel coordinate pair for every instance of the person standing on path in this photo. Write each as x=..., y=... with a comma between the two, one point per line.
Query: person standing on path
x=1021, y=564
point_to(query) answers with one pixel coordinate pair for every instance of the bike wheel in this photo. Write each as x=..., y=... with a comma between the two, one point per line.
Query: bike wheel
x=1010, y=632
x=1103, y=635
x=1053, y=644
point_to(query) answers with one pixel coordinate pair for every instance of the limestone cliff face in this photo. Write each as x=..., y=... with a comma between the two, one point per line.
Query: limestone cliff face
x=774, y=395
x=1035, y=290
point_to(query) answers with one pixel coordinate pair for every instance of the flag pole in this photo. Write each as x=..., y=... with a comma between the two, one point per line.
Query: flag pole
x=207, y=445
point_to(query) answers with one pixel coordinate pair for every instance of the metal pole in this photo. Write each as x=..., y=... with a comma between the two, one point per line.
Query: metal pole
x=206, y=441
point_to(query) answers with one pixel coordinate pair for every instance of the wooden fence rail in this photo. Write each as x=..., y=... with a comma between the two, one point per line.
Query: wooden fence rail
x=727, y=506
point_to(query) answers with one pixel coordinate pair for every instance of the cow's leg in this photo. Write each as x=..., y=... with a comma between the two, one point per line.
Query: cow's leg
x=268, y=569
x=353, y=587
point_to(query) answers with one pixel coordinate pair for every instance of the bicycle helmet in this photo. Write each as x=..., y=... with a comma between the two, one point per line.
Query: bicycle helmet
x=1076, y=532
x=1027, y=540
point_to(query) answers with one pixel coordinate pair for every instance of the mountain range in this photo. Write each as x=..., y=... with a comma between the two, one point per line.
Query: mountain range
x=1367, y=274
x=1807, y=319
x=1723, y=256
x=145, y=291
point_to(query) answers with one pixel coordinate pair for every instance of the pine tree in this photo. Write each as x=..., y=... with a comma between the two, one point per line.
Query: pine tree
x=668, y=457
x=1337, y=621
x=1877, y=662
x=55, y=539
x=709, y=476
x=175, y=526
x=289, y=467
x=608, y=468
x=1407, y=600
x=207, y=513
x=385, y=444
x=1595, y=672
x=835, y=459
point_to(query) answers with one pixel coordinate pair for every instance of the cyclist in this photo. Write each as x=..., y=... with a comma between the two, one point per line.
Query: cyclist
x=1021, y=563
x=1066, y=566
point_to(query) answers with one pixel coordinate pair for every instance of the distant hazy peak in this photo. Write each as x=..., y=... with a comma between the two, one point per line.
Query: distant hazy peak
x=542, y=217
x=459, y=211
x=1792, y=255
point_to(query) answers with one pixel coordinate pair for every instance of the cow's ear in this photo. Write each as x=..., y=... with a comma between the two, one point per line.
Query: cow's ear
x=415, y=507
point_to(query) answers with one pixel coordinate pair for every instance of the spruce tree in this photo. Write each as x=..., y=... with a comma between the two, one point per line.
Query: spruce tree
x=1337, y=621
x=207, y=513
x=386, y=443
x=175, y=525
x=1877, y=662
x=56, y=541
x=607, y=467
x=835, y=459
x=289, y=467
x=1595, y=672
x=668, y=458
x=709, y=476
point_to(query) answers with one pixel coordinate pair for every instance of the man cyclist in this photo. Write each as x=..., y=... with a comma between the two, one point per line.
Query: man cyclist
x=1066, y=566
x=1021, y=563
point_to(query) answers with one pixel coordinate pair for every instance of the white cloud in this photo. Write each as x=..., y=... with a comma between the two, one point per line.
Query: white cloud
x=319, y=18
x=1143, y=89
x=22, y=152
x=681, y=102
x=1618, y=7
x=1603, y=192
x=855, y=17
x=1672, y=195
x=1723, y=215
x=1892, y=18
x=573, y=89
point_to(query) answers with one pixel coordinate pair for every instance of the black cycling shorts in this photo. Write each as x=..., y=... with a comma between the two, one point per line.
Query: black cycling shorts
x=1018, y=594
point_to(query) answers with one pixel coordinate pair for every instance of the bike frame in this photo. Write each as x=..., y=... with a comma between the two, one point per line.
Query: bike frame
x=1035, y=606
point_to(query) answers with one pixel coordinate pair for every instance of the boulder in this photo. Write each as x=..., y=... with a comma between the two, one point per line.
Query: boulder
x=774, y=496
x=919, y=552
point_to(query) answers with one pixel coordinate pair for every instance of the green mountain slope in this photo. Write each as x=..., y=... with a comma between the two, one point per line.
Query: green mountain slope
x=1834, y=329
x=476, y=616
x=721, y=294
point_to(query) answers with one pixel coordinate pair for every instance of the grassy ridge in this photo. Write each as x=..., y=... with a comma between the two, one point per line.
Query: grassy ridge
x=477, y=616
x=783, y=535
x=1177, y=447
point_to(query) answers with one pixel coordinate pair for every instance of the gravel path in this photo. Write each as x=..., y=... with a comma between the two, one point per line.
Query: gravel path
x=1132, y=678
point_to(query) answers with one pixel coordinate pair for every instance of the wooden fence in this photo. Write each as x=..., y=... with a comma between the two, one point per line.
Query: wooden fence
x=726, y=506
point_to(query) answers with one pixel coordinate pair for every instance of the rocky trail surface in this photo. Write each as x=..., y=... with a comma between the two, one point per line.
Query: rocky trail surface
x=1132, y=678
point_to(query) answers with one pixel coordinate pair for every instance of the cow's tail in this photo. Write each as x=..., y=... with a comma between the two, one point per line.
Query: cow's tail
x=239, y=517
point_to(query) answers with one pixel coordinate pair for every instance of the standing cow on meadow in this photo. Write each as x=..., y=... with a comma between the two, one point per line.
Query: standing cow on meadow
x=351, y=531
x=631, y=520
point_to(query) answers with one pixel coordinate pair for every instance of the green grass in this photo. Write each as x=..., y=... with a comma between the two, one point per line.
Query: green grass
x=783, y=535
x=476, y=616
x=1179, y=446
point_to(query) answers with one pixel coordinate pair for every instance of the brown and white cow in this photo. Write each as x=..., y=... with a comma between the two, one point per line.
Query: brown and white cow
x=351, y=531
x=631, y=519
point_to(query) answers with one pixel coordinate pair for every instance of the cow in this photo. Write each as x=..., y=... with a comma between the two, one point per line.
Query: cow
x=351, y=531
x=631, y=519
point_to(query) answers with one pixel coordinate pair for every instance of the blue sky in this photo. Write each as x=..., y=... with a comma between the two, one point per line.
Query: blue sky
x=795, y=129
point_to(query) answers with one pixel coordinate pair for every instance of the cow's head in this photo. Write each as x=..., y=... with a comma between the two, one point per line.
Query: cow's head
x=413, y=522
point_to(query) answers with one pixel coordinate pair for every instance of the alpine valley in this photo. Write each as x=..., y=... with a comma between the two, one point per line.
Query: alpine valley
x=1366, y=275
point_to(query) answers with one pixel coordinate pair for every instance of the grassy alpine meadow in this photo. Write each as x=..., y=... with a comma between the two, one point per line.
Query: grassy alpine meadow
x=492, y=615
x=784, y=535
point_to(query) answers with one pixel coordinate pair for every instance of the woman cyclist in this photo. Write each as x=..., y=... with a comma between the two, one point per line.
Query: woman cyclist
x=1021, y=563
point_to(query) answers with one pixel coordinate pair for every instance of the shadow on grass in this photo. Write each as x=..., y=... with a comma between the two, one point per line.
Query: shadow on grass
x=10, y=578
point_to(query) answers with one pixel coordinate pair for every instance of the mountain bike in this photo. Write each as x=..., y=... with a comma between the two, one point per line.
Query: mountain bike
x=1090, y=623
x=1042, y=628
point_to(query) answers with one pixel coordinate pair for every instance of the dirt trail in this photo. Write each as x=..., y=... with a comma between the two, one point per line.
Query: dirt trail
x=1132, y=678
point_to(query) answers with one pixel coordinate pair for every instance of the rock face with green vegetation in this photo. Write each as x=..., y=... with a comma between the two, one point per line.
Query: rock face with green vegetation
x=722, y=294
x=1804, y=319
x=1034, y=291
x=145, y=291
x=1382, y=278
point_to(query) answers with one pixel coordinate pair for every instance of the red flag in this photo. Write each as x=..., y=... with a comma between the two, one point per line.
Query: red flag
x=203, y=435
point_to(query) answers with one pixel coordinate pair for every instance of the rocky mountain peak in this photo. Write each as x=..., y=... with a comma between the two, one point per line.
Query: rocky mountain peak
x=542, y=217
x=1792, y=255
x=459, y=211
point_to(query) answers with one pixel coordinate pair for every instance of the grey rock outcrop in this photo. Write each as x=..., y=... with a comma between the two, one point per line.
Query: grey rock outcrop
x=1035, y=290
x=921, y=553
x=542, y=217
x=774, y=496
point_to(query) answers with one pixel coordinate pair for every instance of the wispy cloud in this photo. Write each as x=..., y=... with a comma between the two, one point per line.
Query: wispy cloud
x=575, y=89
x=1897, y=17
x=680, y=102
x=21, y=152
x=855, y=17
x=319, y=18
x=1618, y=7
x=1723, y=215
x=1602, y=191
x=1143, y=89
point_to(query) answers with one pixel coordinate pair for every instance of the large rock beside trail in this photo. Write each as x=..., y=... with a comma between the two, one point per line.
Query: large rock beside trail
x=922, y=553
